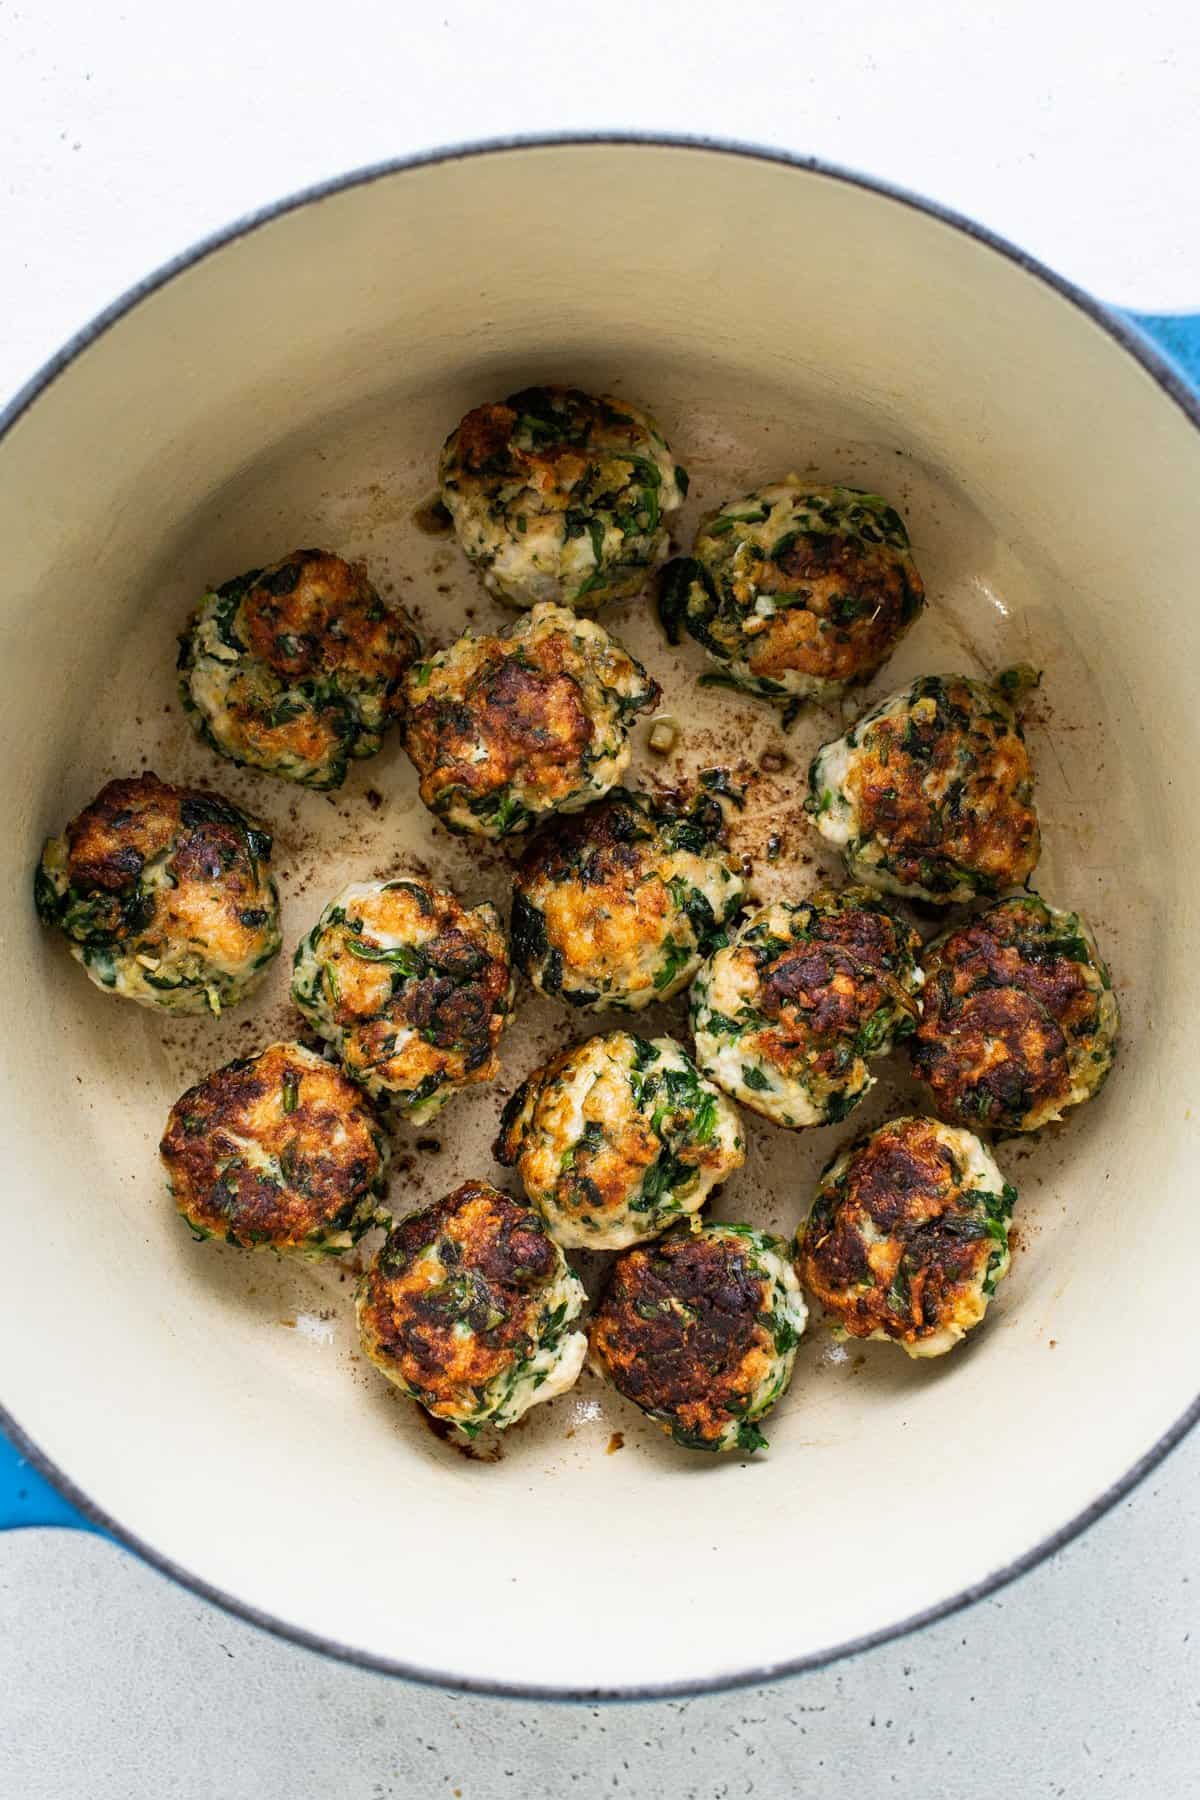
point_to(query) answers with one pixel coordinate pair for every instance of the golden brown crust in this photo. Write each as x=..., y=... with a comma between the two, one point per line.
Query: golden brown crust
x=948, y=782
x=998, y=1016
x=500, y=1260
x=825, y=569
x=127, y=825
x=817, y=995
x=530, y=720
x=604, y=1172
x=896, y=1244
x=679, y=1330
x=311, y=614
x=444, y=1022
x=217, y=897
x=274, y=1149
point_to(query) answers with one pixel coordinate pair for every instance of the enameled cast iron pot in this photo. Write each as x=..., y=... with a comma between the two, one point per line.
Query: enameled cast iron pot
x=290, y=383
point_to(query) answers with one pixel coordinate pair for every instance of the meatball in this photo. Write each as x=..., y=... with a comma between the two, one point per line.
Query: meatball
x=617, y=1138
x=700, y=1330
x=908, y=1235
x=296, y=668
x=615, y=907
x=931, y=794
x=410, y=988
x=164, y=894
x=556, y=495
x=503, y=730
x=468, y=1308
x=1019, y=1020
x=277, y=1150
x=796, y=591
x=788, y=1014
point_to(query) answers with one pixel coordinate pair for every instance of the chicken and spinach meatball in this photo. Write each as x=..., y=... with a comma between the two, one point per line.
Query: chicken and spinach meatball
x=788, y=1015
x=278, y=1151
x=165, y=895
x=556, y=495
x=618, y=1138
x=614, y=907
x=908, y=1236
x=296, y=668
x=470, y=1309
x=930, y=795
x=410, y=989
x=700, y=1330
x=503, y=730
x=795, y=591
x=1019, y=1020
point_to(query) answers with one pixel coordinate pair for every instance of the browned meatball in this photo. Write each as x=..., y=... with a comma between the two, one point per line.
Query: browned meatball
x=559, y=495
x=908, y=1235
x=614, y=907
x=788, y=1014
x=165, y=895
x=700, y=1330
x=296, y=668
x=1019, y=1018
x=411, y=988
x=931, y=794
x=468, y=1308
x=535, y=720
x=278, y=1150
x=796, y=591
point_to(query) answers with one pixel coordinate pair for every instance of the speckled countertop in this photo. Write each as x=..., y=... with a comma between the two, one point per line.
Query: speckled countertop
x=130, y=131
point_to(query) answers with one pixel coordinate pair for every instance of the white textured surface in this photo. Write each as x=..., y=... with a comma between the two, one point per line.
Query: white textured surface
x=1080, y=1681
x=131, y=131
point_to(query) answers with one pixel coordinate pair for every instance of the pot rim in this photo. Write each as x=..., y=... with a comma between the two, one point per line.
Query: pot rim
x=1172, y=384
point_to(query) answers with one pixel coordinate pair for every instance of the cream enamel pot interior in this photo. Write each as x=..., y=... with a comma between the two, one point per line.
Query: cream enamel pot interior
x=291, y=384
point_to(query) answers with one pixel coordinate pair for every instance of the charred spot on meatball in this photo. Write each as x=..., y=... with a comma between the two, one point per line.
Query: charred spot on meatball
x=908, y=1236
x=700, y=1330
x=614, y=907
x=557, y=495
x=469, y=1308
x=930, y=795
x=797, y=592
x=503, y=730
x=297, y=668
x=790, y=1013
x=278, y=1150
x=1019, y=1020
x=164, y=894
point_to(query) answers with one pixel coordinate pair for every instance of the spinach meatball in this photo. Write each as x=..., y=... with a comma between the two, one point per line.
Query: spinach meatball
x=796, y=591
x=614, y=907
x=700, y=1330
x=617, y=1138
x=469, y=1308
x=931, y=794
x=503, y=730
x=277, y=1150
x=908, y=1235
x=556, y=495
x=787, y=1016
x=296, y=668
x=164, y=894
x=410, y=988
x=1019, y=1020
